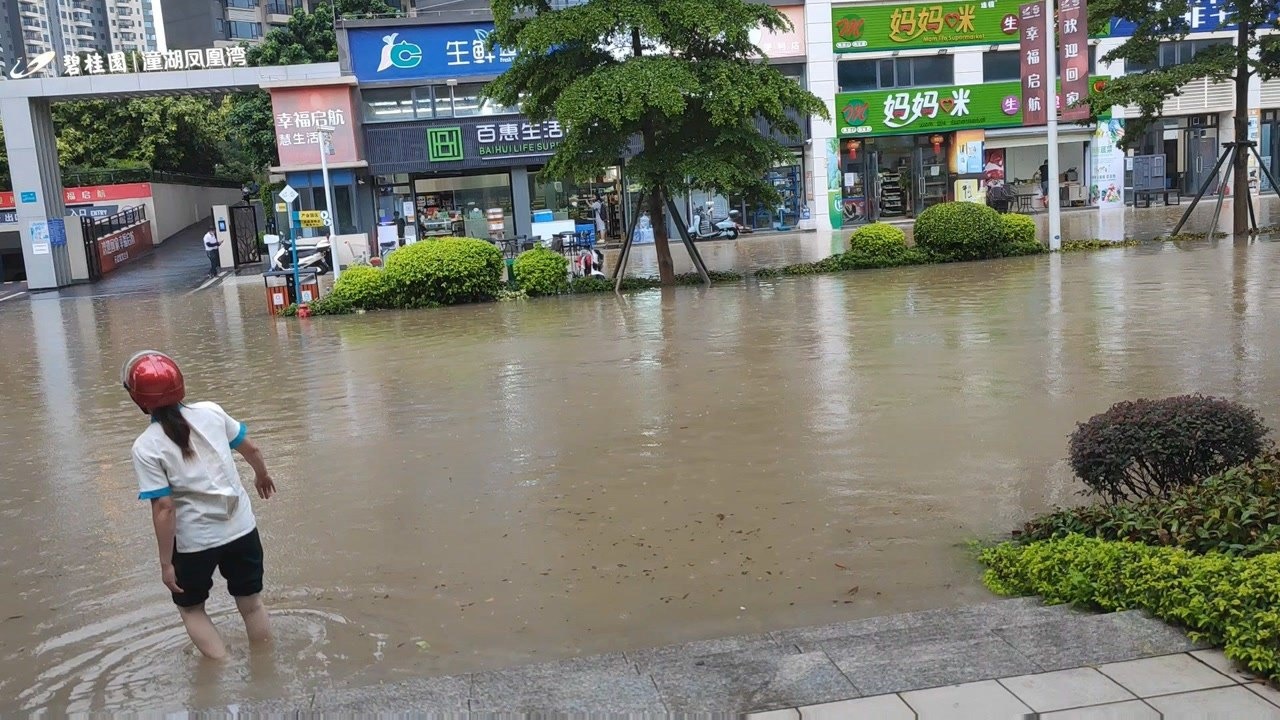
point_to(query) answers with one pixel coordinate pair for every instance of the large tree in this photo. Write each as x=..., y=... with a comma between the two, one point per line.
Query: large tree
x=309, y=37
x=177, y=134
x=1250, y=54
x=681, y=75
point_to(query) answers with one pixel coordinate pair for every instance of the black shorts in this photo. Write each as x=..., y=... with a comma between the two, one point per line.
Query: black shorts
x=239, y=561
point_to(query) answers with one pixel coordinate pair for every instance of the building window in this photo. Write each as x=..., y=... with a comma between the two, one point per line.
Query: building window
x=387, y=104
x=856, y=75
x=997, y=66
x=246, y=4
x=467, y=101
x=1175, y=53
x=241, y=30
x=283, y=7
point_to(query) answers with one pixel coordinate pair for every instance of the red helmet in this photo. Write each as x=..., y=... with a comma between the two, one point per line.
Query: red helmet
x=153, y=380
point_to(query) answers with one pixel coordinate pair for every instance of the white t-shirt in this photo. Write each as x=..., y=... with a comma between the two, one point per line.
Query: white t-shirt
x=210, y=241
x=211, y=505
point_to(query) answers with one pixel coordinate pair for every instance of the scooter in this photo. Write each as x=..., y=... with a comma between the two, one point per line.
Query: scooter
x=589, y=262
x=703, y=226
x=309, y=256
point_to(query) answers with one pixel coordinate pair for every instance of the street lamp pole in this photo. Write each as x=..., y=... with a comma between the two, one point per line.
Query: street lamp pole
x=326, y=149
x=1051, y=67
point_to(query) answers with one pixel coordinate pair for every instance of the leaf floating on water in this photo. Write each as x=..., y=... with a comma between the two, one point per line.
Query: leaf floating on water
x=842, y=567
x=853, y=590
x=423, y=645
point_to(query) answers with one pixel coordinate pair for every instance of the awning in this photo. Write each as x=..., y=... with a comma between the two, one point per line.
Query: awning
x=1031, y=137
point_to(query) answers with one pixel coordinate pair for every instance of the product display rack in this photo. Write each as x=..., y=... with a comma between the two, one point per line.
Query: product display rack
x=892, y=195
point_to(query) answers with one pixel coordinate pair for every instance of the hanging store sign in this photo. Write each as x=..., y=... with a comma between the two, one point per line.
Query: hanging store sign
x=300, y=113
x=941, y=109
x=425, y=52
x=1073, y=58
x=924, y=25
x=1032, y=51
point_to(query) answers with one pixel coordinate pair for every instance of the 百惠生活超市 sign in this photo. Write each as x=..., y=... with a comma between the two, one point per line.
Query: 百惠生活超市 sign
x=941, y=109
x=918, y=25
x=425, y=52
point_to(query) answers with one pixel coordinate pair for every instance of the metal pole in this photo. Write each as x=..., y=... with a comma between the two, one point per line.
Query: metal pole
x=1204, y=188
x=694, y=255
x=326, y=147
x=1051, y=76
x=1222, y=193
x=293, y=251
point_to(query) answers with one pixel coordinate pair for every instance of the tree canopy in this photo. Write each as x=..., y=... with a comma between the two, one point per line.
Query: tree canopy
x=1250, y=54
x=681, y=75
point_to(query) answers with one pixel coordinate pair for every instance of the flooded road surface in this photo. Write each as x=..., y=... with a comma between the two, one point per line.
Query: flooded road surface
x=485, y=486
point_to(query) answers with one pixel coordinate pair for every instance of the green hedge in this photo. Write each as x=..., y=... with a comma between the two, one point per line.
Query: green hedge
x=448, y=271
x=1230, y=601
x=542, y=272
x=359, y=287
x=954, y=231
x=878, y=245
x=1018, y=236
x=1236, y=512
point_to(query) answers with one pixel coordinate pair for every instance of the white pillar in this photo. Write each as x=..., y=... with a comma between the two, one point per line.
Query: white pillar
x=821, y=77
x=37, y=189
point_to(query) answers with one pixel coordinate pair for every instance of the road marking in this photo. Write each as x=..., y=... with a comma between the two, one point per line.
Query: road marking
x=10, y=297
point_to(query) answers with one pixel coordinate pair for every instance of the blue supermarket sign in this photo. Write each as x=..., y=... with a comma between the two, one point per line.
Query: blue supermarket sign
x=1202, y=16
x=425, y=52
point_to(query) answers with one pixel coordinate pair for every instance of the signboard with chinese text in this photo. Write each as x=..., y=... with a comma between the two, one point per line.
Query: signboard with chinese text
x=96, y=193
x=1032, y=51
x=300, y=112
x=116, y=63
x=1073, y=57
x=941, y=109
x=783, y=44
x=425, y=52
x=460, y=144
x=1202, y=16
x=924, y=25
x=124, y=246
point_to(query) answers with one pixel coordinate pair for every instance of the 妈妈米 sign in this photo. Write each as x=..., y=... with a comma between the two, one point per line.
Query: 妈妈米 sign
x=940, y=109
x=425, y=52
x=920, y=25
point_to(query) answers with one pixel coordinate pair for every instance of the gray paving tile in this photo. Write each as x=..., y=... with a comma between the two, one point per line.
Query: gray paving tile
x=1131, y=710
x=1216, y=660
x=1164, y=675
x=603, y=683
x=1070, y=642
x=750, y=681
x=1266, y=692
x=914, y=658
x=985, y=700
x=426, y=694
x=1062, y=689
x=702, y=648
x=971, y=618
x=1226, y=703
x=880, y=707
x=787, y=714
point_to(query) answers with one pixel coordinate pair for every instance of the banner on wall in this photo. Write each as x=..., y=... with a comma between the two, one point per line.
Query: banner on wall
x=1107, y=188
x=1034, y=46
x=1073, y=58
x=835, y=189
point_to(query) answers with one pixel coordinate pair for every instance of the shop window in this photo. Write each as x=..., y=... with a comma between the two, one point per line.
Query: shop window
x=342, y=201
x=457, y=205
x=573, y=201
x=855, y=75
x=1170, y=54
x=387, y=104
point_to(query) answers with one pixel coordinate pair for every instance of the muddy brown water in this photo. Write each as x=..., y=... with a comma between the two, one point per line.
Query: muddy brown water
x=484, y=486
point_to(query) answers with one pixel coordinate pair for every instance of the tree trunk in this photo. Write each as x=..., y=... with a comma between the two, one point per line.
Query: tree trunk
x=661, y=243
x=1240, y=174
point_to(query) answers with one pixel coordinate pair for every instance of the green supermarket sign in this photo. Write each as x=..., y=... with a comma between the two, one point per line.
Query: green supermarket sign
x=939, y=109
x=444, y=144
x=924, y=25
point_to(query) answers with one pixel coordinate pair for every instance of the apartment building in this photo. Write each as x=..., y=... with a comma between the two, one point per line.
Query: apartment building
x=31, y=27
x=190, y=24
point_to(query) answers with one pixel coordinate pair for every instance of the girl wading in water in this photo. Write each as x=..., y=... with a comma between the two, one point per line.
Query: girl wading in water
x=201, y=512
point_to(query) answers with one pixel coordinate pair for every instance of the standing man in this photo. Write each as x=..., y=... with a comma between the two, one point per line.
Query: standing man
x=399, y=230
x=211, y=245
x=1044, y=181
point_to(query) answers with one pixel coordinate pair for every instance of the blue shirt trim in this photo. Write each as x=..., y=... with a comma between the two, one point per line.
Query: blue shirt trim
x=153, y=494
x=239, y=438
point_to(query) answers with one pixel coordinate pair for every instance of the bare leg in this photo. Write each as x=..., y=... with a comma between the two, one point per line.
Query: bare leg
x=256, y=623
x=202, y=632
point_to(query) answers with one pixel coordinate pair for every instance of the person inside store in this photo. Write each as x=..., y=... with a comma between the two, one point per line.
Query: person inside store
x=399, y=229
x=597, y=214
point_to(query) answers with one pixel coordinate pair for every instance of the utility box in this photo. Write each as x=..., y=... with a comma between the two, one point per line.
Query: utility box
x=1149, y=173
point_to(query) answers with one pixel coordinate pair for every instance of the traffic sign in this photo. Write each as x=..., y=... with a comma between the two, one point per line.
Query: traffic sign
x=282, y=207
x=288, y=194
x=313, y=218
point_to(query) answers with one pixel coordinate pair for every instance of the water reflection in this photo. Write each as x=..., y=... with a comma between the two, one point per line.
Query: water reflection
x=533, y=480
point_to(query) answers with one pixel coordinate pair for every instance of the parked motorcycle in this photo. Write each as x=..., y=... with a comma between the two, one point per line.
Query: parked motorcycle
x=702, y=226
x=314, y=256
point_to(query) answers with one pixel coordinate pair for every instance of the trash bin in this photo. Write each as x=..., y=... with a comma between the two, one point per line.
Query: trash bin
x=280, y=291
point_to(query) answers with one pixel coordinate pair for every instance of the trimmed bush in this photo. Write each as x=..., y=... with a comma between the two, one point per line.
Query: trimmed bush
x=1236, y=512
x=542, y=272
x=959, y=231
x=1018, y=236
x=1148, y=448
x=877, y=245
x=448, y=271
x=1228, y=601
x=359, y=287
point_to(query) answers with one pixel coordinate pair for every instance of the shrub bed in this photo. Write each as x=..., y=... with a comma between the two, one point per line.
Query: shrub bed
x=542, y=272
x=1236, y=512
x=359, y=287
x=1229, y=601
x=959, y=231
x=878, y=245
x=1018, y=236
x=1148, y=448
x=448, y=271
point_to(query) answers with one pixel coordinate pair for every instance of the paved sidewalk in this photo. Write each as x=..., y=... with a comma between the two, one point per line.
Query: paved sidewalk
x=1009, y=658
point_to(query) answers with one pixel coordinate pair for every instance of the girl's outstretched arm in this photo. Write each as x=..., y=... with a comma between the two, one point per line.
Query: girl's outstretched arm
x=261, y=478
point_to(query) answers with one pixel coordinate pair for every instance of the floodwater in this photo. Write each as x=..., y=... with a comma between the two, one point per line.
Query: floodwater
x=485, y=486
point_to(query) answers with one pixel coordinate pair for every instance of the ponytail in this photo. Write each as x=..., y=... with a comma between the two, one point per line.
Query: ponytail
x=176, y=427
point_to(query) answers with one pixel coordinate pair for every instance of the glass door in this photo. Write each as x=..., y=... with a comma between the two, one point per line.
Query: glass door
x=929, y=171
x=1202, y=155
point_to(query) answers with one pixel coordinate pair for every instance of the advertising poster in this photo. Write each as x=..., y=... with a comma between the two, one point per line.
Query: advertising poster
x=1107, y=189
x=835, y=193
x=993, y=168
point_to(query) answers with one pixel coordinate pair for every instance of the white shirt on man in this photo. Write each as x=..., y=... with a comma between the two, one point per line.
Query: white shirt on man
x=211, y=241
x=211, y=506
